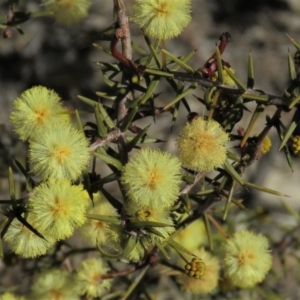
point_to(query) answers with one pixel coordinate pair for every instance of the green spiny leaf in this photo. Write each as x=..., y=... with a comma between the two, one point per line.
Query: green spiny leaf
x=106, y=118
x=182, y=95
x=182, y=64
x=136, y=139
x=257, y=113
x=240, y=85
x=102, y=130
x=100, y=153
x=87, y=100
x=12, y=188
x=178, y=247
x=233, y=173
x=291, y=128
x=153, y=50
x=250, y=79
x=264, y=189
x=184, y=58
x=107, y=219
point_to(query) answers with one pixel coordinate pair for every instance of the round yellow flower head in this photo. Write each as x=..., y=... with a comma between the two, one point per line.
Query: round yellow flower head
x=57, y=208
x=296, y=145
x=68, y=12
x=25, y=242
x=55, y=284
x=266, y=145
x=59, y=152
x=162, y=19
x=152, y=178
x=247, y=258
x=89, y=279
x=35, y=109
x=202, y=145
x=96, y=230
x=192, y=236
x=210, y=275
x=10, y=296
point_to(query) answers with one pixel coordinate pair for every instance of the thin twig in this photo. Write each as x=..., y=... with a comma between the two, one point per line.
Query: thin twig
x=100, y=142
x=188, y=187
x=127, y=53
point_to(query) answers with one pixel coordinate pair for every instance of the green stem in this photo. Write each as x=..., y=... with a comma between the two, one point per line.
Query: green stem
x=135, y=282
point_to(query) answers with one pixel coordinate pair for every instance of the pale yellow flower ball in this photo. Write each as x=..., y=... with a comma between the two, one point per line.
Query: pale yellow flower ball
x=247, y=258
x=202, y=145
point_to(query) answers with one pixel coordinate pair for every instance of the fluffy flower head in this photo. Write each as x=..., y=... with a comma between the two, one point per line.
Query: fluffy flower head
x=57, y=208
x=89, y=279
x=152, y=178
x=54, y=284
x=192, y=236
x=26, y=243
x=202, y=145
x=68, y=12
x=162, y=19
x=59, y=152
x=10, y=296
x=247, y=258
x=34, y=109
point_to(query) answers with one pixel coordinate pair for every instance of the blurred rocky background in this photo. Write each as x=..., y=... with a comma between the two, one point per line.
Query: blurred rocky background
x=63, y=58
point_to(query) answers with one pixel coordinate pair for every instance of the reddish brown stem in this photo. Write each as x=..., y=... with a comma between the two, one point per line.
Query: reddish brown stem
x=211, y=64
x=118, y=55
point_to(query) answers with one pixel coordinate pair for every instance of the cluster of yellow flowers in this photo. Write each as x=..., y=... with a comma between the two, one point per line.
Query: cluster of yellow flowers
x=150, y=182
x=58, y=153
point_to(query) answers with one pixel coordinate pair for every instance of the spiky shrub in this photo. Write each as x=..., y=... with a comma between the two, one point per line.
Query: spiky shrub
x=178, y=213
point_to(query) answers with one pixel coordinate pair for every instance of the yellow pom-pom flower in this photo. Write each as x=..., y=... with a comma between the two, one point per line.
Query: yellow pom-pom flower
x=89, y=278
x=266, y=145
x=55, y=284
x=202, y=145
x=209, y=279
x=192, y=236
x=152, y=178
x=96, y=230
x=57, y=208
x=26, y=243
x=247, y=258
x=35, y=109
x=59, y=152
x=295, y=145
x=68, y=12
x=10, y=296
x=162, y=19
